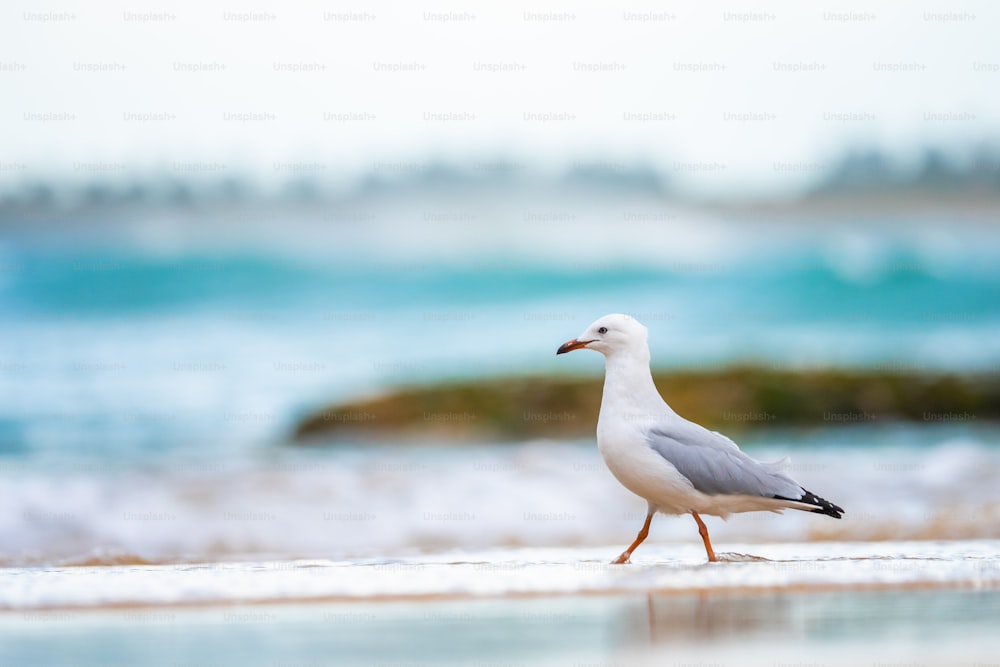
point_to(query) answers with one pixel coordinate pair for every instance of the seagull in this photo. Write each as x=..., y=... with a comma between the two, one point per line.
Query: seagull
x=677, y=466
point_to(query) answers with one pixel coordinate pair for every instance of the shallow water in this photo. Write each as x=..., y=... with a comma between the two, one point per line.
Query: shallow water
x=773, y=628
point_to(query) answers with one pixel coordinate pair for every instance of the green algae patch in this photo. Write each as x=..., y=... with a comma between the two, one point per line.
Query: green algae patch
x=729, y=399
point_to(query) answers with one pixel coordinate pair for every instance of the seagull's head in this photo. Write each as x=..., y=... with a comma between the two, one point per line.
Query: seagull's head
x=608, y=335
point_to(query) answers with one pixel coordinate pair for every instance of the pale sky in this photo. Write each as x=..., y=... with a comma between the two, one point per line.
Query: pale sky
x=720, y=96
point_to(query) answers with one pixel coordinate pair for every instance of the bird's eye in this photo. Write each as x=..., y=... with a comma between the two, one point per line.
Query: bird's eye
x=602, y=330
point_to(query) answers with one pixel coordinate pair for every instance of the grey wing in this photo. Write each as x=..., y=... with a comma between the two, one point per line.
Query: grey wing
x=715, y=465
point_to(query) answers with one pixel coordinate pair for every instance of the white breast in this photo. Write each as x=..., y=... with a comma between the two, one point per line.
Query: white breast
x=643, y=471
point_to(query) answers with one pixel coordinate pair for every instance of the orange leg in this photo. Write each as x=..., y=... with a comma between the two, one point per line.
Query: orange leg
x=703, y=531
x=643, y=534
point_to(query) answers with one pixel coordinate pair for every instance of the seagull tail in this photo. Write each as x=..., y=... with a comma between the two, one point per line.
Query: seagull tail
x=818, y=505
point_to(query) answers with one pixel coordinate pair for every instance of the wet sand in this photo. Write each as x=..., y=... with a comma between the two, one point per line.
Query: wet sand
x=821, y=603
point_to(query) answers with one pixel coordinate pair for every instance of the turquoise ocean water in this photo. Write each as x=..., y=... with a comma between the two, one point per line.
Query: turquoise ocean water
x=150, y=377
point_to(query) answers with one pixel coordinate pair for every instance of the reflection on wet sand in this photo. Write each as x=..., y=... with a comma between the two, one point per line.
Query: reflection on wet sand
x=712, y=617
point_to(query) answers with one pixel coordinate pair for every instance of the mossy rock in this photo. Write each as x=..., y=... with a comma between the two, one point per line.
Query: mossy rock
x=730, y=399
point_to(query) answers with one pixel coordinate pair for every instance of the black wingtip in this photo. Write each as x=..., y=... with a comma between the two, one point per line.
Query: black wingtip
x=822, y=505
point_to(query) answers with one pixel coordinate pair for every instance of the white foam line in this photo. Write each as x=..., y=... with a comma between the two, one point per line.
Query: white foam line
x=821, y=565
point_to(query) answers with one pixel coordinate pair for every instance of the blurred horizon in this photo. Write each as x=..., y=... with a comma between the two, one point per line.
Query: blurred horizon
x=859, y=173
